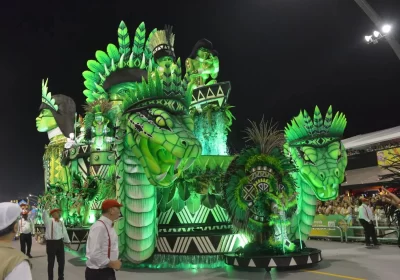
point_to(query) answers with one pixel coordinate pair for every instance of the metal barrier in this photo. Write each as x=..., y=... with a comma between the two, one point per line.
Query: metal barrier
x=363, y=237
x=329, y=236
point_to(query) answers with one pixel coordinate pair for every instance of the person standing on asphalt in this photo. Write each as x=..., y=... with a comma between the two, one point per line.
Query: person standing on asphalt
x=25, y=229
x=366, y=218
x=13, y=264
x=56, y=235
x=102, y=244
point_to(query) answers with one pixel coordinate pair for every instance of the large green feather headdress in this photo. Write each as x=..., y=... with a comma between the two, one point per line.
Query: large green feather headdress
x=138, y=55
x=170, y=92
x=47, y=98
x=315, y=132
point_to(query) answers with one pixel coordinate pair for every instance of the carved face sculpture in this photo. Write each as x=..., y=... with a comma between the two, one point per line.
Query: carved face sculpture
x=45, y=121
x=204, y=53
x=165, y=60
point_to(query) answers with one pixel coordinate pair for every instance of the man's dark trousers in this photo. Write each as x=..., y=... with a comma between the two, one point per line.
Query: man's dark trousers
x=369, y=231
x=100, y=274
x=55, y=249
x=25, y=239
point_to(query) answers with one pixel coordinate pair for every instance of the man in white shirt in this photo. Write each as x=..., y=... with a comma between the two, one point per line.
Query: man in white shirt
x=13, y=265
x=56, y=234
x=366, y=218
x=102, y=244
x=25, y=229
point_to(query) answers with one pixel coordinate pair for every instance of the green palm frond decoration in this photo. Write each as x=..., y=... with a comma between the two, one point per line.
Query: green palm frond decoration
x=265, y=135
x=46, y=96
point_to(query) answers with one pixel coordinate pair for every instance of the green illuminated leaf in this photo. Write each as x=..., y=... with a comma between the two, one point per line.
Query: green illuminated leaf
x=113, y=52
x=123, y=40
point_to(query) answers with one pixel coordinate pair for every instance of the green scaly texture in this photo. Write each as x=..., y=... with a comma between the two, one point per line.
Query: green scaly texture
x=315, y=148
x=154, y=140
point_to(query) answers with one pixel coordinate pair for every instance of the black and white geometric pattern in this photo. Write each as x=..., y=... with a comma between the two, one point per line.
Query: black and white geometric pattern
x=197, y=245
x=313, y=256
x=194, y=228
x=100, y=171
x=212, y=93
x=204, y=215
x=249, y=192
x=78, y=236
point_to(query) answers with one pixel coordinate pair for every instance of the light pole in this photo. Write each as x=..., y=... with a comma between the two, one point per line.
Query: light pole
x=374, y=17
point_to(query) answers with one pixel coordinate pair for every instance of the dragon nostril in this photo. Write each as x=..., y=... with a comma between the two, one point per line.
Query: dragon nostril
x=337, y=172
x=322, y=175
x=184, y=143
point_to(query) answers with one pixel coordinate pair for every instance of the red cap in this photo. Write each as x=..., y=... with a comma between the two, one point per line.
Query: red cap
x=55, y=210
x=110, y=203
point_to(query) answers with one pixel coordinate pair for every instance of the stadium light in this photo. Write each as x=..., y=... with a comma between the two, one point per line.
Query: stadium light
x=376, y=35
x=386, y=28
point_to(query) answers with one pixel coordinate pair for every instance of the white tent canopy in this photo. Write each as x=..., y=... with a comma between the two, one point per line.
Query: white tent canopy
x=365, y=140
x=366, y=175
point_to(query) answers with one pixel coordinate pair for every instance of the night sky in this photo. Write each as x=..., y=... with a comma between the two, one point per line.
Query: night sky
x=280, y=56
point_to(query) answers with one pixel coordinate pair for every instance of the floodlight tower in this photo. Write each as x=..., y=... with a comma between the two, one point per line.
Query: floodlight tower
x=385, y=28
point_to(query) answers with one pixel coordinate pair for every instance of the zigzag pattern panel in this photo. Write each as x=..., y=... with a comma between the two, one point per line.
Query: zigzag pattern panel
x=202, y=216
x=213, y=244
x=99, y=171
x=191, y=229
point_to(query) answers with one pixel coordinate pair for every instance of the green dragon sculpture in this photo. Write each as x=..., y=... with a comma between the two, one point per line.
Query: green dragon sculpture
x=262, y=182
x=154, y=131
x=315, y=148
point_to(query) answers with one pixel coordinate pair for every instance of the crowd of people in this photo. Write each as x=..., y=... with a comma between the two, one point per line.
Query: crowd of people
x=348, y=205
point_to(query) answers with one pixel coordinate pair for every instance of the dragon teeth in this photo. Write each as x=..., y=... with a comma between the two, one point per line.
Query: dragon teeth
x=178, y=161
x=321, y=194
x=162, y=176
x=189, y=163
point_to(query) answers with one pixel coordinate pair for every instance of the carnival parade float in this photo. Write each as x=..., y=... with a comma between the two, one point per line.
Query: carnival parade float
x=155, y=138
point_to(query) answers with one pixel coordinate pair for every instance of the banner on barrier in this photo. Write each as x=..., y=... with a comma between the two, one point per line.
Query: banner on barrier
x=324, y=225
x=387, y=157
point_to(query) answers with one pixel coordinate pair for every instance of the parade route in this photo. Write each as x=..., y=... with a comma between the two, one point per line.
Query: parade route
x=341, y=261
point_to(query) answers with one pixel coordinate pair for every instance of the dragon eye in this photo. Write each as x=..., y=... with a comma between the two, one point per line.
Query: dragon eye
x=304, y=156
x=160, y=121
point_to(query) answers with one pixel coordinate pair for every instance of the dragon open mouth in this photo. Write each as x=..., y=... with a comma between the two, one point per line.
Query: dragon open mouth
x=164, y=166
x=323, y=192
